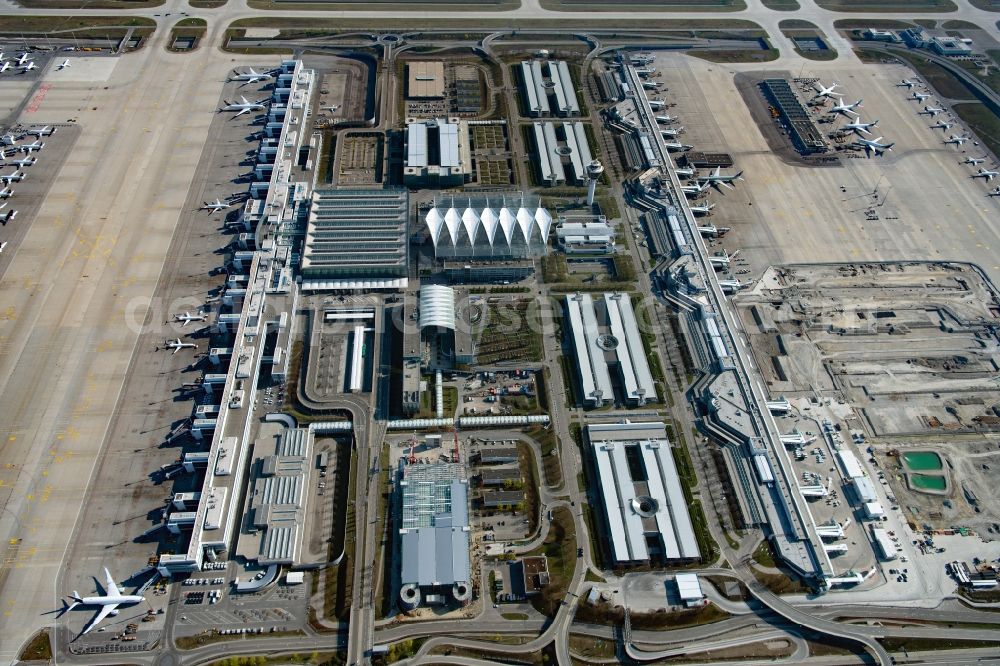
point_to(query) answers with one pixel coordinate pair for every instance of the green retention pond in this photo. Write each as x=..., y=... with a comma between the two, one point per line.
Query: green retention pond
x=928, y=482
x=923, y=461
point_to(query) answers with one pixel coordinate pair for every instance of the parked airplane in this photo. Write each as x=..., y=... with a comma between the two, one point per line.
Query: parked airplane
x=995, y=192
x=8, y=178
x=974, y=160
x=957, y=140
x=919, y=97
x=63, y=65
x=23, y=58
x=244, y=106
x=702, y=210
x=6, y=192
x=906, y=83
x=187, y=318
x=987, y=174
x=694, y=190
x=671, y=132
x=8, y=139
x=859, y=127
x=673, y=146
x=722, y=260
x=109, y=602
x=732, y=286
x=41, y=131
x=873, y=145
x=30, y=66
x=216, y=206
x=5, y=66
x=845, y=109
x=711, y=231
x=177, y=345
x=942, y=125
x=331, y=108
x=29, y=147
x=7, y=216
x=716, y=178
x=26, y=162
x=666, y=120
x=250, y=76
x=931, y=111
x=826, y=92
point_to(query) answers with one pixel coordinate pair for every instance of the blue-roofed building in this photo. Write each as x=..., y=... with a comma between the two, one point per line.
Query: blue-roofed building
x=434, y=535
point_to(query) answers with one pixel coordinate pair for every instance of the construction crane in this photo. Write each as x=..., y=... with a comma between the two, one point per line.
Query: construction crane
x=412, y=459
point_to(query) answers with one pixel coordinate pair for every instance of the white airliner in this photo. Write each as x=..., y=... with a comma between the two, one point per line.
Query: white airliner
x=873, y=146
x=187, y=318
x=216, y=206
x=26, y=162
x=906, y=83
x=702, y=210
x=859, y=127
x=6, y=192
x=722, y=260
x=987, y=174
x=931, y=111
x=942, y=125
x=41, y=131
x=716, y=178
x=23, y=58
x=712, y=231
x=63, y=65
x=244, y=106
x=109, y=602
x=974, y=160
x=250, y=76
x=674, y=146
x=8, y=178
x=29, y=147
x=177, y=345
x=732, y=286
x=695, y=189
x=5, y=66
x=826, y=92
x=666, y=120
x=7, y=216
x=331, y=108
x=957, y=140
x=671, y=132
x=846, y=109
x=30, y=66
x=919, y=97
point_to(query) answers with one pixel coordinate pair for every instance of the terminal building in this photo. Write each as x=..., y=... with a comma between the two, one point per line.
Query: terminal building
x=605, y=336
x=444, y=327
x=585, y=235
x=557, y=149
x=433, y=528
x=437, y=153
x=356, y=239
x=548, y=93
x=258, y=315
x=485, y=227
x=644, y=508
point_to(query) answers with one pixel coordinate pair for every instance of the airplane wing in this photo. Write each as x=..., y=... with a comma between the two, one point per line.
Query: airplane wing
x=103, y=613
x=112, y=587
x=243, y=99
x=241, y=112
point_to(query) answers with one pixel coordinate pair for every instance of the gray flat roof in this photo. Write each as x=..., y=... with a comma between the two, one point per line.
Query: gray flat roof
x=434, y=520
